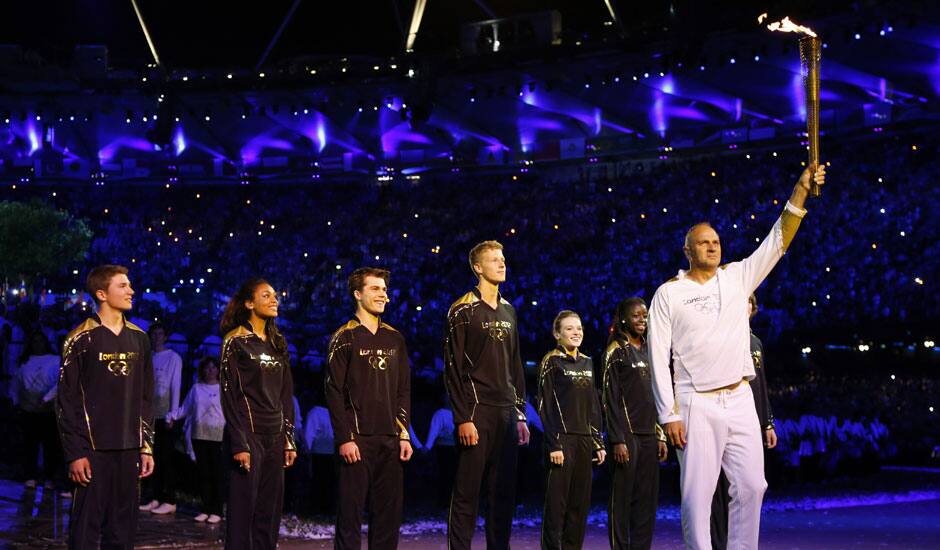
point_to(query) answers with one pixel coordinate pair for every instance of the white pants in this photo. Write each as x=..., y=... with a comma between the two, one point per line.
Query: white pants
x=722, y=432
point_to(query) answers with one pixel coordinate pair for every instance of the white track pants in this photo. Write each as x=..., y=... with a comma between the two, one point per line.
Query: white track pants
x=722, y=432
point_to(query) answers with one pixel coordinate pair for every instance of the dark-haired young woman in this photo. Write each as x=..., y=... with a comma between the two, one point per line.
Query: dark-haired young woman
x=257, y=401
x=637, y=442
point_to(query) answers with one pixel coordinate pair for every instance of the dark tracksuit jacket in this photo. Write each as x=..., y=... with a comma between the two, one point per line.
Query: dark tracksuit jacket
x=103, y=405
x=484, y=380
x=631, y=420
x=765, y=416
x=571, y=417
x=257, y=402
x=368, y=393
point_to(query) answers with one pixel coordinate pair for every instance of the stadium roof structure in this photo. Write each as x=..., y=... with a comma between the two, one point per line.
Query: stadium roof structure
x=302, y=89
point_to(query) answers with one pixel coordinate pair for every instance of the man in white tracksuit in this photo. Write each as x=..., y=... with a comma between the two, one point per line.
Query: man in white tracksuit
x=699, y=320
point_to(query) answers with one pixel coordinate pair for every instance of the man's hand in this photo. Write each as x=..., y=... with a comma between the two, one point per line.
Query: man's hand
x=557, y=458
x=770, y=438
x=289, y=457
x=244, y=460
x=349, y=452
x=80, y=471
x=663, y=451
x=802, y=188
x=675, y=433
x=169, y=423
x=467, y=434
x=146, y=465
x=523, y=429
x=621, y=453
x=405, y=450
x=601, y=455
x=808, y=177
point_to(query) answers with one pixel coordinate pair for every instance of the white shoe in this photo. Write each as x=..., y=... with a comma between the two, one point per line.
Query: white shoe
x=165, y=508
x=149, y=506
x=30, y=484
x=201, y=517
x=213, y=519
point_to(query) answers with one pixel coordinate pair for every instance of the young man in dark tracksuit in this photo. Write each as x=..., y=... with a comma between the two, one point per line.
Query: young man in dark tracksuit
x=484, y=379
x=103, y=406
x=637, y=442
x=571, y=417
x=368, y=393
x=719, y=520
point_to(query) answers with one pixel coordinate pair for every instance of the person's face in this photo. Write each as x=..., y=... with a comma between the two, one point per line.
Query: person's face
x=212, y=372
x=751, y=308
x=636, y=320
x=491, y=266
x=157, y=338
x=373, y=296
x=119, y=294
x=37, y=344
x=264, y=302
x=704, y=248
x=570, y=333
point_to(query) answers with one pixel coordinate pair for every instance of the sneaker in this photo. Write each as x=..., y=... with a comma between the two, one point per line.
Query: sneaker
x=30, y=484
x=213, y=519
x=149, y=506
x=165, y=508
x=201, y=517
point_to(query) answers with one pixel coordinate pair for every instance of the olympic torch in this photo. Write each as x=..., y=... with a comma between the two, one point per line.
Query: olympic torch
x=810, y=60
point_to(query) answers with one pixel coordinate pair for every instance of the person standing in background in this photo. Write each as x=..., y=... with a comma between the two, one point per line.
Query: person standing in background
x=205, y=426
x=32, y=390
x=167, y=375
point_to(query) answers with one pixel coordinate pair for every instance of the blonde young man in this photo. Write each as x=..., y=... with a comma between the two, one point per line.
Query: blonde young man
x=699, y=321
x=484, y=379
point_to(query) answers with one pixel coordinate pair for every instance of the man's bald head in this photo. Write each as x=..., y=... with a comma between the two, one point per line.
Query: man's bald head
x=691, y=231
x=702, y=246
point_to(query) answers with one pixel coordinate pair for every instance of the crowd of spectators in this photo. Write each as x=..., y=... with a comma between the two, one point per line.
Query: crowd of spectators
x=576, y=237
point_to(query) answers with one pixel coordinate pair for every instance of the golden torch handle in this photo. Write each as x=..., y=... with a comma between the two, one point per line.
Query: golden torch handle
x=810, y=57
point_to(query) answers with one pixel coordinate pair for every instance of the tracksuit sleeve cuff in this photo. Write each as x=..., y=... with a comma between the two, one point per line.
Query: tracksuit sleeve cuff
x=795, y=210
x=663, y=420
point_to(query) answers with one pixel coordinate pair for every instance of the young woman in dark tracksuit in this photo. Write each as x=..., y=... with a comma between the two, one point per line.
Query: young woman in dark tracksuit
x=257, y=401
x=571, y=416
x=636, y=441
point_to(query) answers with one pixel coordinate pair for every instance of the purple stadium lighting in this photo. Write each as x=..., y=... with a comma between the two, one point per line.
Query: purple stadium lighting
x=179, y=141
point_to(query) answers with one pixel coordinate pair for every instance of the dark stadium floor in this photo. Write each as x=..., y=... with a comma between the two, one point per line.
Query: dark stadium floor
x=35, y=520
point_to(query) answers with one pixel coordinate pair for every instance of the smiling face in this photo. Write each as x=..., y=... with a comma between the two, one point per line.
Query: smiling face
x=636, y=321
x=119, y=294
x=491, y=266
x=569, y=333
x=373, y=296
x=263, y=302
x=703, y=247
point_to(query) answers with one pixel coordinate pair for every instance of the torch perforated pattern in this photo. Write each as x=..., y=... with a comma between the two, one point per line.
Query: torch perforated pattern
x=810, y=57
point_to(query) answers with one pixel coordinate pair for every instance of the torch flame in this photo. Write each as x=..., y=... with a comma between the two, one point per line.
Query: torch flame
x=785, y=25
